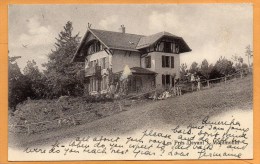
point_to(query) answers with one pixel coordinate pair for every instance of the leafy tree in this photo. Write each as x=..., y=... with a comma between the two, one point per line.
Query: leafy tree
x=194, y=68
x=205, y=69
x=222, y=68
x=183, y=71
x=238, y=62
x=61, y=73
x=249, y=54
x=37, y=80
x=19, y=88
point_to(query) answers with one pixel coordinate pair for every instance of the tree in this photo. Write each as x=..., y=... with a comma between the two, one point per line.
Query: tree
x=238, y=62
x=37, y=80
x=61, y=73
x=194, y=68
x=205, y=69
x=249, y=54
x=222, y=68
x=183, y=71
x=18, y=85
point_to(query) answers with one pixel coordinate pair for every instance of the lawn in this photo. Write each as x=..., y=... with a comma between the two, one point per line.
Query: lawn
x=190, y=108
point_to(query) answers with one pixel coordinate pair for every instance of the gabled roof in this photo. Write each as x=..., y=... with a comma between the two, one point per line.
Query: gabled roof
x=151, y=39
x=126, y=41
x=117, y=40
x=147, y=41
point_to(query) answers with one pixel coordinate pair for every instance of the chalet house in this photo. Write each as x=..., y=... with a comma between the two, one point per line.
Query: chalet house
x=154, y=60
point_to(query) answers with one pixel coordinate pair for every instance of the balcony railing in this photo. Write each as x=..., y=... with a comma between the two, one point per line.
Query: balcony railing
x=93, y=71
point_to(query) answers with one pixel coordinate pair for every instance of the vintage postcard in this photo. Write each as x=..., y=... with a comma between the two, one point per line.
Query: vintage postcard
x=130, y=82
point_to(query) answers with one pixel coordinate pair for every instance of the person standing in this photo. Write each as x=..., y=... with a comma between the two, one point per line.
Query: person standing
x=192, y=79
x=198, y=83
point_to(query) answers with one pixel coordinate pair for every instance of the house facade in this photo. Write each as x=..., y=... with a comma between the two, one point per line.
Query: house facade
x=153, y=60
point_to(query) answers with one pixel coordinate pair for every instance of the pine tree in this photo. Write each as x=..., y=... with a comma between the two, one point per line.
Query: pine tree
x=61, y=73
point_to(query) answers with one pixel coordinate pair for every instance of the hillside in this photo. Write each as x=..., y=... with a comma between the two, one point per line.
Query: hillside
x=186, y=109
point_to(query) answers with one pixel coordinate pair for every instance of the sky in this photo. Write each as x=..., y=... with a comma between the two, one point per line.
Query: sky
x=210, y=30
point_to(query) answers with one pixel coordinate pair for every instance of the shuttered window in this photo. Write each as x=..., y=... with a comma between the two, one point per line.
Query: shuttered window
x=163, y=61
x=163, y=80
x=148, y=62
x=167, y=61
x=172, y=62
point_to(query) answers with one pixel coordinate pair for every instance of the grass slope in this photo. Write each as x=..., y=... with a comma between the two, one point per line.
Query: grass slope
x=186, y=109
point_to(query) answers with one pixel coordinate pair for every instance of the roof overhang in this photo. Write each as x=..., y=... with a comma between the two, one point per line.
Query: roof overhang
x=183, y=45
x=78, y=56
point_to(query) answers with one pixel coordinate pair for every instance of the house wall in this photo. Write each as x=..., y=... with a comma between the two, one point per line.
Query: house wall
x=141, y=83
x=98, y=55
x=148, y=82
x=156, y=65
x=122, y=58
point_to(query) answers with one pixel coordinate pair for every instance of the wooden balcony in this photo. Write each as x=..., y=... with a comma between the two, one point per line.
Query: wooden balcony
x=93, y=71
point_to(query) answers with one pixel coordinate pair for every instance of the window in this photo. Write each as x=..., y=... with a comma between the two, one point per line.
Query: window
x=94, y=47
x=167, y=61
x=177, y=49
x=172, y=62
x=163, y=80
x=103, y=63
x=172, y=47
x=167, y=47
x=148, y=62
x=166, y=80
x=173, y=81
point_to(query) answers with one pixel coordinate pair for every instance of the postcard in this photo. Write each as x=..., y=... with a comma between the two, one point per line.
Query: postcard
x=130, y=82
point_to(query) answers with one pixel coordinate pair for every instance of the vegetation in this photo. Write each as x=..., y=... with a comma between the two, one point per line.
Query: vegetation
x=61, y=73
x=229, y=98
x=61, y=77
x=221, y=68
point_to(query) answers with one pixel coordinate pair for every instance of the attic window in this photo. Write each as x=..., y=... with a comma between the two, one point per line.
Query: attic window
x=94, y=47
x=166, y=46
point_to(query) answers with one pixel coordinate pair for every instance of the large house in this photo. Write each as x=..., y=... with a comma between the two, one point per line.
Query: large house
x=153, y=60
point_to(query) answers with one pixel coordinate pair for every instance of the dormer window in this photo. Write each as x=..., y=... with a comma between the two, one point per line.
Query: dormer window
x=94, y=47
x=167, y=46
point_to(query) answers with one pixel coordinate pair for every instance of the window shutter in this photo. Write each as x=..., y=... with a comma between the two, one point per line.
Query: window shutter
x=163, y=80
x=163, y=61
x=149, y=62
x=146, y=62
x=172, y=62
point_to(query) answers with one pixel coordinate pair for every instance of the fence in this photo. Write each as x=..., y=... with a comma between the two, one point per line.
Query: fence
x=73, y=119
x=212, y=82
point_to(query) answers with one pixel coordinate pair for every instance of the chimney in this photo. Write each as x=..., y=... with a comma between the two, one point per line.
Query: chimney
x=123, y=29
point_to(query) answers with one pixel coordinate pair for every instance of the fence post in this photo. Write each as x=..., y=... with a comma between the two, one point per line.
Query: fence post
x=225, y=79
x=208, y=83
x=241, y=74
x=28, y=129
x=73, y=120
x=120, y=106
